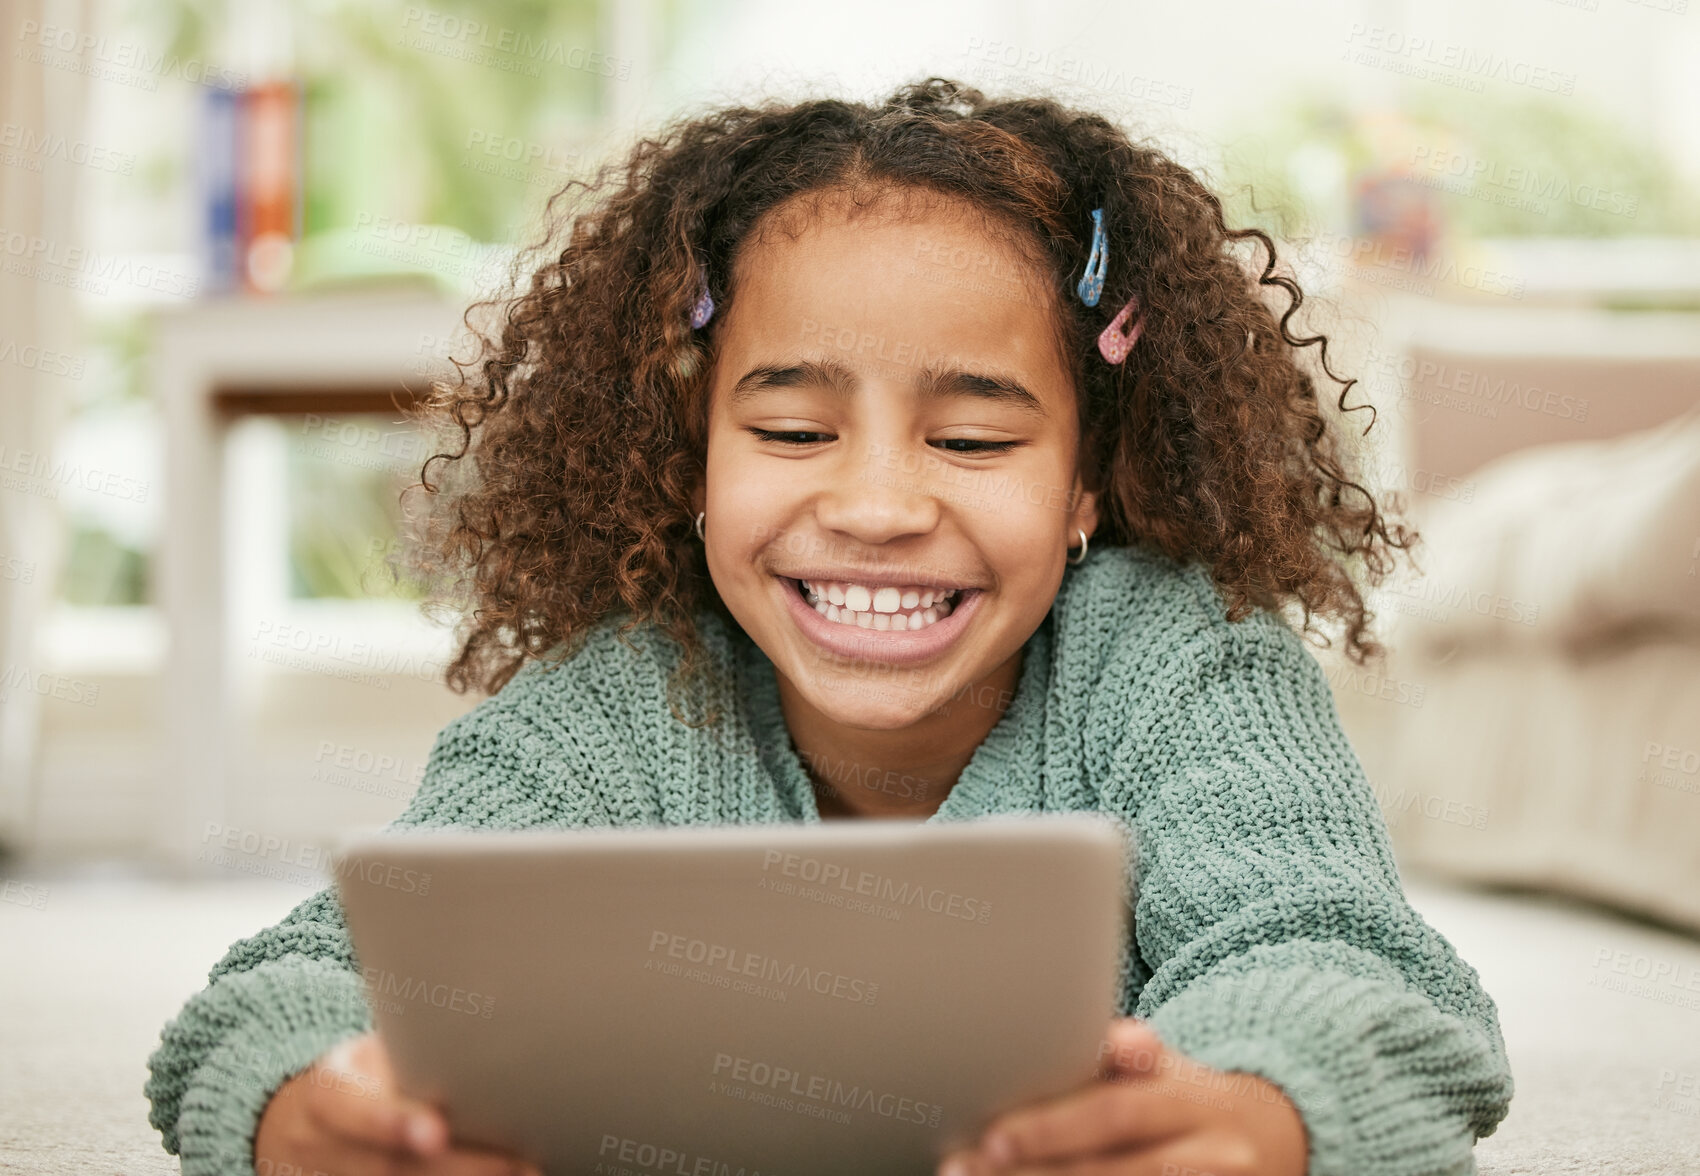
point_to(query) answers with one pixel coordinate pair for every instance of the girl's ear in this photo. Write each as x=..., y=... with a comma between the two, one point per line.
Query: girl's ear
x=699, y=499
x=1084, y=516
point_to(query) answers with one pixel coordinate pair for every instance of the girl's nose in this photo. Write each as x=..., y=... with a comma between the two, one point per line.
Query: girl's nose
x=877, y=501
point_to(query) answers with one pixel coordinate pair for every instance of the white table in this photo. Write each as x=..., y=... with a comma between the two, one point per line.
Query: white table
x=213, y=362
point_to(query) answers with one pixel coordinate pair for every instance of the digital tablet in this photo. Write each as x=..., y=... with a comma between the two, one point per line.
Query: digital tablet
x=784, y=999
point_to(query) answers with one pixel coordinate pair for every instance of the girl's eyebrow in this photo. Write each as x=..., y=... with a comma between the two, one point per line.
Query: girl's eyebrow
x=930, y=383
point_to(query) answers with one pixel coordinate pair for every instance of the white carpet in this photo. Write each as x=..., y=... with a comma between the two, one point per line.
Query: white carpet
x=1607, y=1065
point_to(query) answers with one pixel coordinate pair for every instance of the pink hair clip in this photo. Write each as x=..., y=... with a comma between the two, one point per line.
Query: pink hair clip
x=1114, y=344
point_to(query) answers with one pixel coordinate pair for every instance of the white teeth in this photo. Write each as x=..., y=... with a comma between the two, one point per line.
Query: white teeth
x=885, y=609
x=892, y=622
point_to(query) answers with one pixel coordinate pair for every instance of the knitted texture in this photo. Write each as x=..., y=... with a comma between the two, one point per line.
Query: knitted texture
x=1272, y=934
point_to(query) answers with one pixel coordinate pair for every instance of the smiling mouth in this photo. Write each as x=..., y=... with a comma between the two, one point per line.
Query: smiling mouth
x=883, y=608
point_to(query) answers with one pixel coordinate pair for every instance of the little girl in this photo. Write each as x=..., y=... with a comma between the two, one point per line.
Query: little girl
x=929, y=459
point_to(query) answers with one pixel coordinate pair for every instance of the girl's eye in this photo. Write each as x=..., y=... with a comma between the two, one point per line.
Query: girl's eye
x=949, y=444
x=975, y=445
x=790, y=437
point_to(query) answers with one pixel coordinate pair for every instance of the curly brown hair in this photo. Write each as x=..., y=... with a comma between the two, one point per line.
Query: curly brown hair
x=584, y=413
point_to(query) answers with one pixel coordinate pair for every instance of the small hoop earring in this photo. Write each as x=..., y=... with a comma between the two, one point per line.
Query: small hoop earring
x=699, y=525
x=1081, y=558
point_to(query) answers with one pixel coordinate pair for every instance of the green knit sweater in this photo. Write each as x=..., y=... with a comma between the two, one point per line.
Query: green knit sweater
x=1272, y=935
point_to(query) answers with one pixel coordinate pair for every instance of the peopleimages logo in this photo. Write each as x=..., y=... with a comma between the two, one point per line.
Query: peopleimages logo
x=1369, y=256
x=115, y=60
x=24, y=894
x=1473, y=172
x=819, y=1089
x=383, y=985
x=40, y=359
x=514, y=50
x=76, y=267
x=763, y=968
x=1420, y=596
x=1450, y=62
x=891, y=891
x=650, y=1157
x=299, y=648
x=14, y=677
x=39, y=145
x=48, y=475
x=244, y=849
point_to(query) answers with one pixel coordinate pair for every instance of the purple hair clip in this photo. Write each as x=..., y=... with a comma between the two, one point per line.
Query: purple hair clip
x=1114, y=343
x=704, y=309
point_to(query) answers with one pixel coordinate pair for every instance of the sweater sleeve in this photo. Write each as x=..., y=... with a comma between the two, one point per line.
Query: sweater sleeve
x=1273, y=935
x=281, y=998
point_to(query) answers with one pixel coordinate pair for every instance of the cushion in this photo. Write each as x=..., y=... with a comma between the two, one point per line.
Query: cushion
x=1563, y=544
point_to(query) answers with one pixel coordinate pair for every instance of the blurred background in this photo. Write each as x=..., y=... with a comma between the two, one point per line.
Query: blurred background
x=236, y=239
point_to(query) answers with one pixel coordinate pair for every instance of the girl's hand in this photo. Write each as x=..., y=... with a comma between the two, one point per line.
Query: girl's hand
x=343, y=1116
x=1154, y=1112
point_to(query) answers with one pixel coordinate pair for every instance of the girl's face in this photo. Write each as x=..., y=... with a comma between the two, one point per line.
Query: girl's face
x=891, y=486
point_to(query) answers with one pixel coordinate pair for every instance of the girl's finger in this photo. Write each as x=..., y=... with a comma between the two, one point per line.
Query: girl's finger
x=1105, y=1117
x=361, y=1109
x=1130, y=1047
